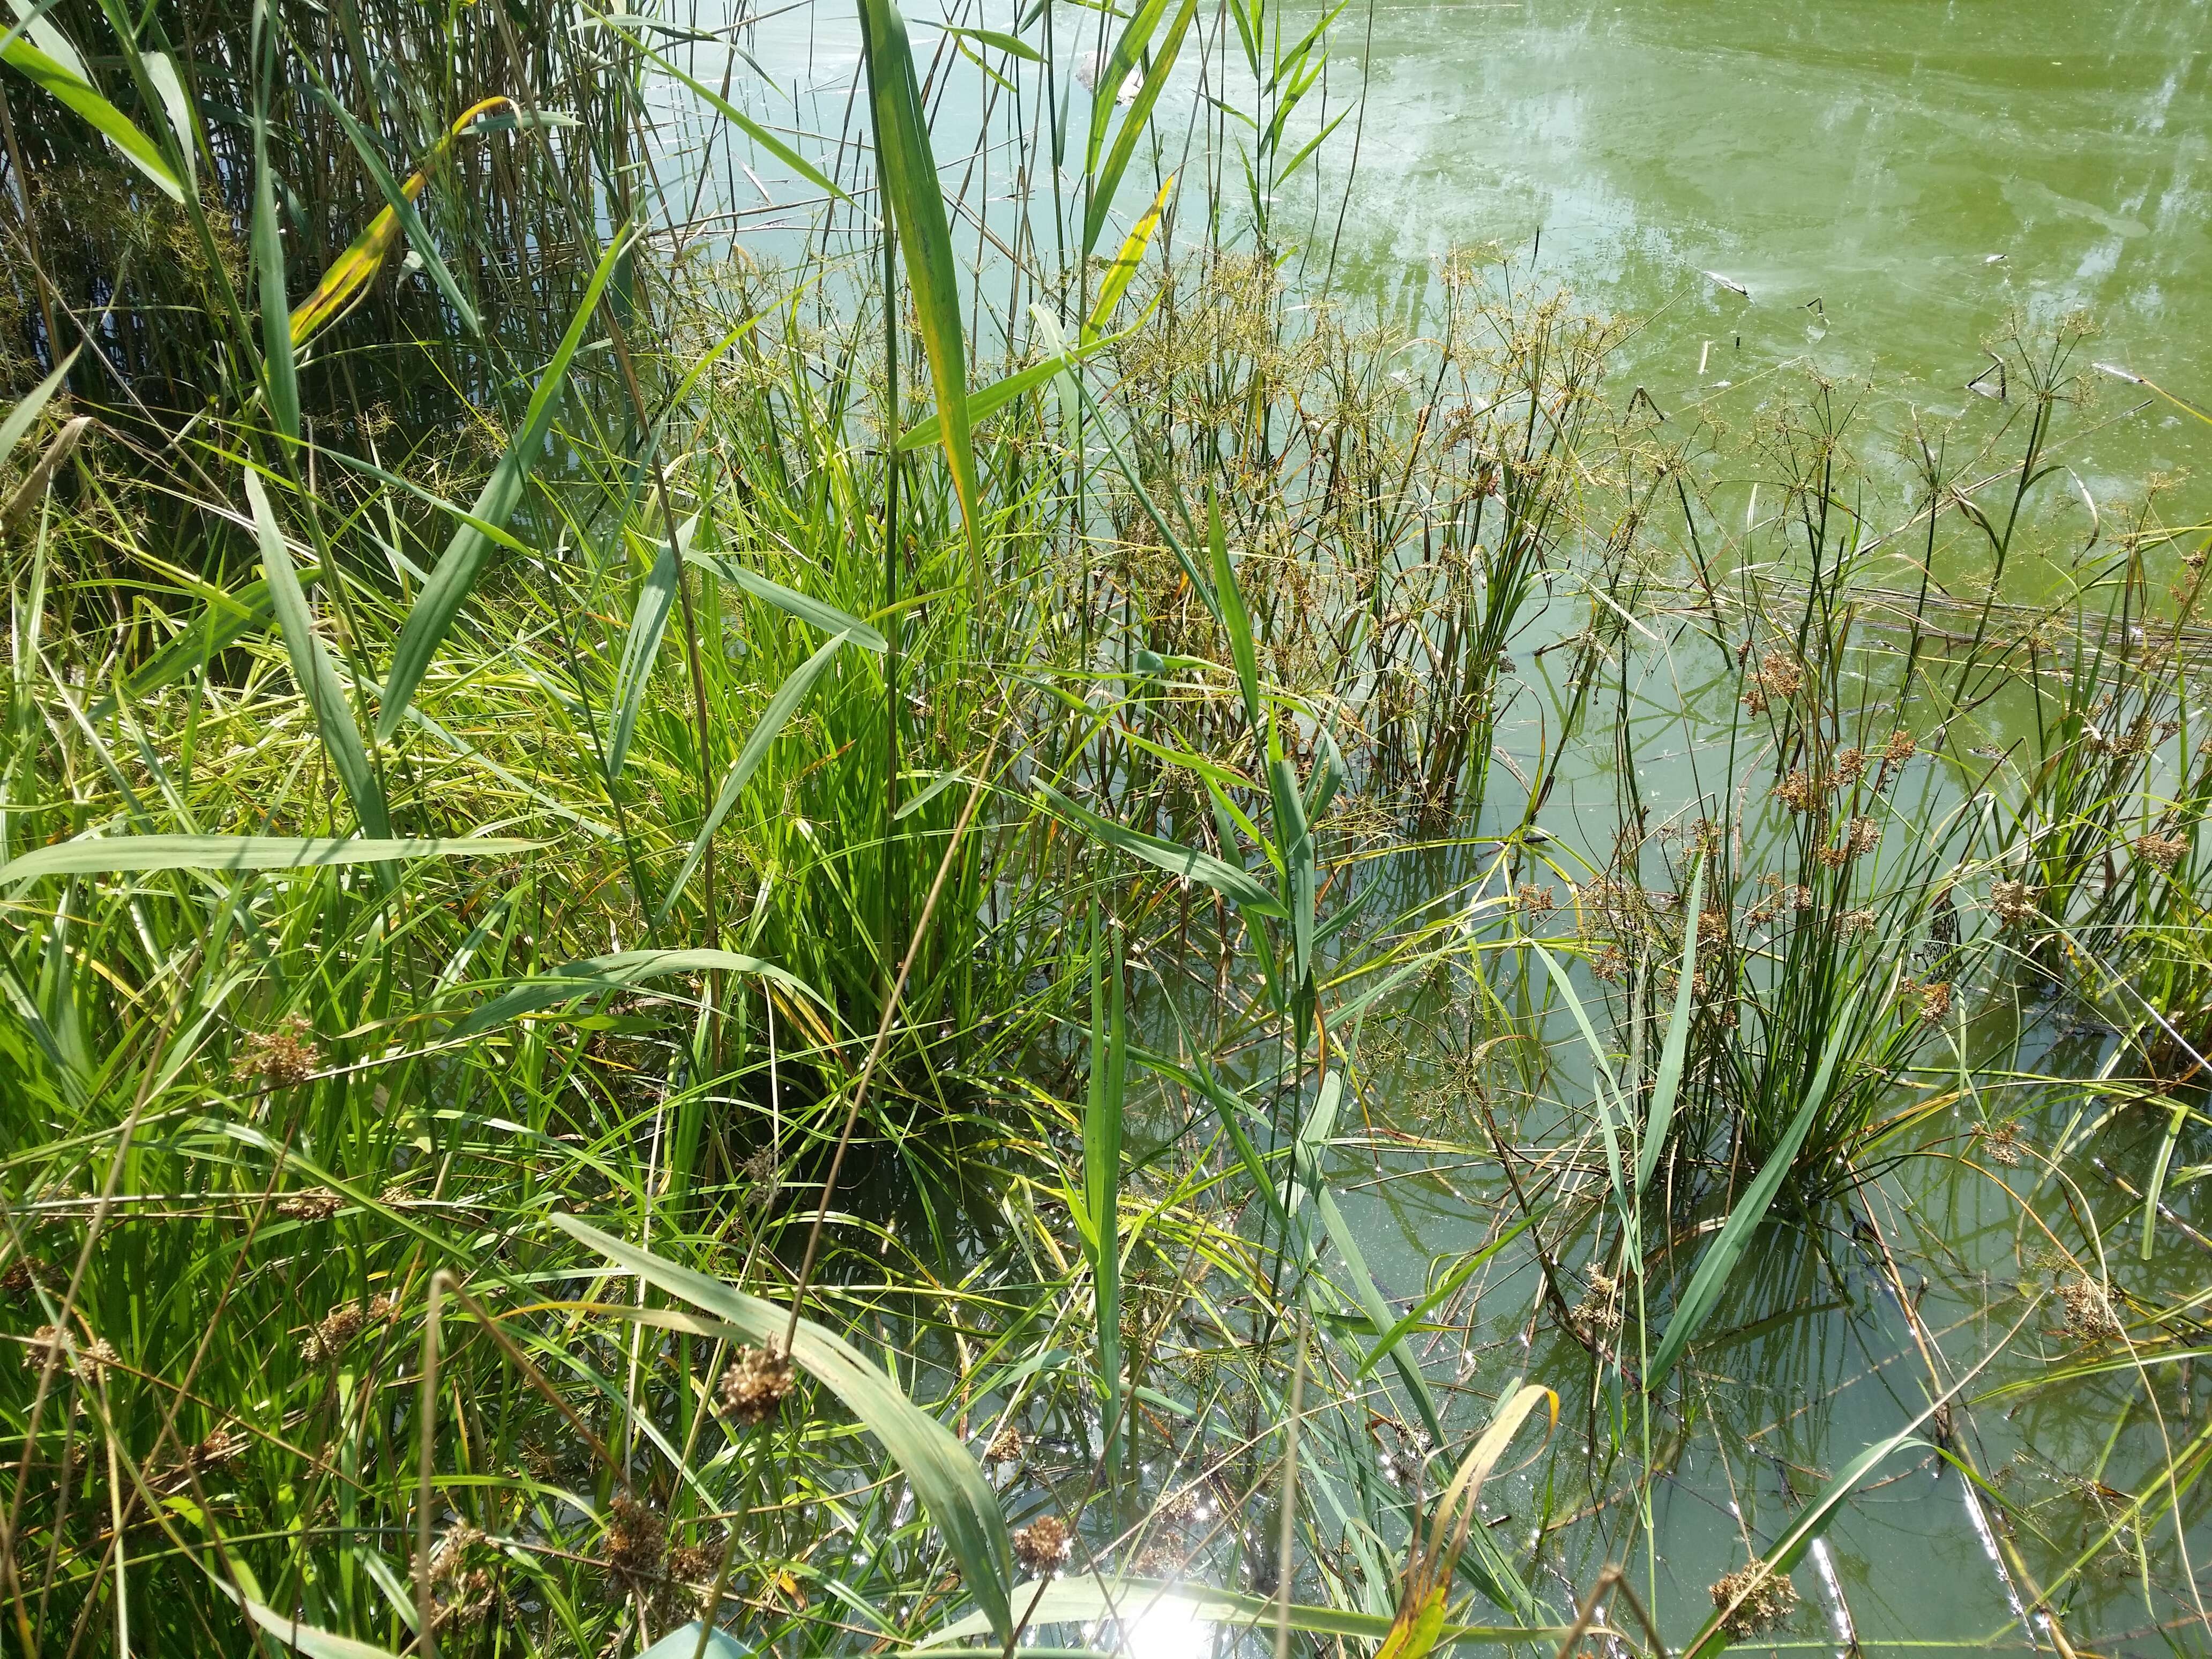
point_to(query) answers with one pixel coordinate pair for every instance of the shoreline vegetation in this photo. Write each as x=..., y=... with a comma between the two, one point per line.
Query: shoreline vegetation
x=986, y=925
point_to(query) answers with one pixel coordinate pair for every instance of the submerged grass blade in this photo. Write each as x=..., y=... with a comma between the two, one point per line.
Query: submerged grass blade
x=1717, y=1265
x=1660, y=1120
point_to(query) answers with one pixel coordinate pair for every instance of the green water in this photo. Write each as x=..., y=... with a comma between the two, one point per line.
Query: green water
x=1918, y=169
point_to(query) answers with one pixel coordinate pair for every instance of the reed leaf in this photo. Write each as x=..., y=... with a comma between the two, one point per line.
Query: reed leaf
x=815, y=613
x=353, y=269
x=68, y=84
x=906, y=169
x=1106, y=179
x=1235, y=885
x=781, y=707
x=648, y=627
x=617, y=971
x=113, y=855
x=21, y=417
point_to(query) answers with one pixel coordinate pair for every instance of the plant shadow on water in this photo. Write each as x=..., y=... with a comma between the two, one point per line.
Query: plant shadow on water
x=961, y=915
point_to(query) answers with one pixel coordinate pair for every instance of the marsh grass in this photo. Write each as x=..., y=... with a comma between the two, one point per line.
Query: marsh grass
x=444, y=1250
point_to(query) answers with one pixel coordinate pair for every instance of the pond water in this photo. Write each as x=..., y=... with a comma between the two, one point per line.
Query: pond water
x=1888, y=178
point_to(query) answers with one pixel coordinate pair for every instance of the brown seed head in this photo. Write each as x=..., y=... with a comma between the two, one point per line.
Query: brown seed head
x=309, y=1204
x=636, y=1539
x=279, y=1057
x=1900, y=748
x=1850, y=766
x=756, y=1384
x=1767, y=1599
x=1779, y=676
x=2164, y=851
x=1799, y=791
x=1044, y=1545
x=2013, y=902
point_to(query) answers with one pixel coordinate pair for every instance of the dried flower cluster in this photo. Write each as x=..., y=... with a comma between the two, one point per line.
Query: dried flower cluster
x=2090, y=1316
x=1856, y=922
x=309, y=1204
x=1800, y=792
x=1933, y=999
x=1007, y=1446
x=1533, y=901
x=279, y=1057
x=464, y=1592
x=2001, y=1142
x=756, y=1385
x=85, y=1359
x=1761, y=1598
x=25, y=1274
x=2164, y=851
x=1778, y=676
x=2013, y=902
x=1900, y=748
x=336, y=1329
x=636, y=1541
x=1044, y=1545
x=699, y=1562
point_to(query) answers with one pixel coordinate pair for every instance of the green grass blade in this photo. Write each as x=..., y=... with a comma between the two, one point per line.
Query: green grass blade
x=1106, y=179
x=20, y=417
x=814, y=613
x=943, y=1475
x=1719, y=1262
x=110, y=854
x=230, y=617
x=1128, y=50
x=1601, y=1083
x=280, y=373
x=906, y=169
x=72, y=89
x=616, y=972
x=466, y=556
x=981, y=405
x=1235, y=885
x=312, y=669
x=1102, y=1168
x=1675, y=1054
x=752, y=129
x=781, y=707
x=1301, y=874
x=648, y=627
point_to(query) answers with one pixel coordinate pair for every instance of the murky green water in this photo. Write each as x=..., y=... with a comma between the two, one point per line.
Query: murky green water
x=1888, y=178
